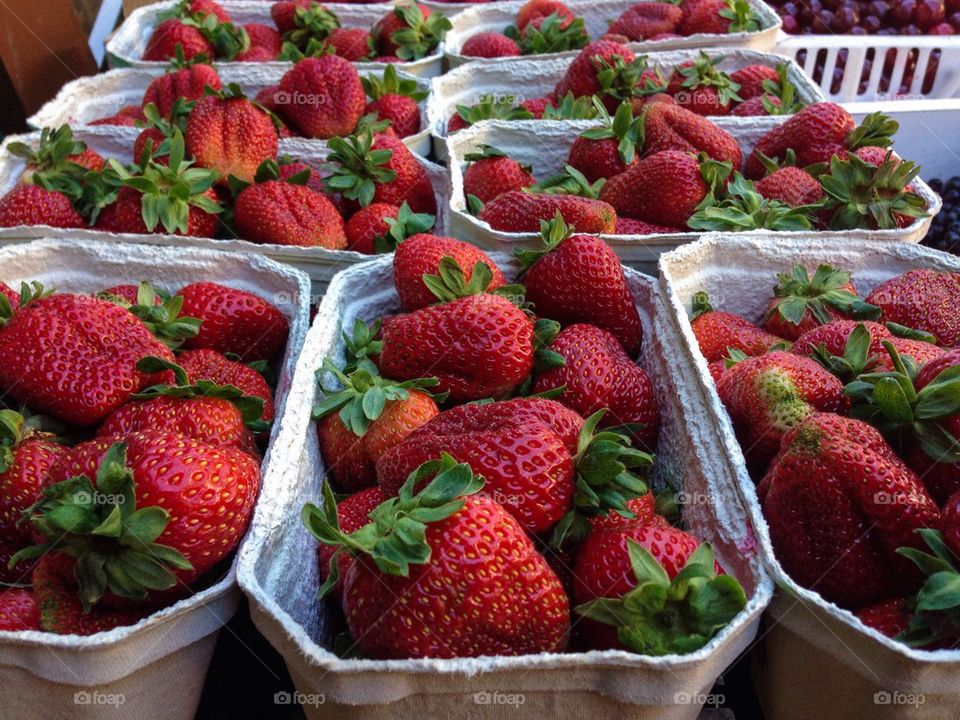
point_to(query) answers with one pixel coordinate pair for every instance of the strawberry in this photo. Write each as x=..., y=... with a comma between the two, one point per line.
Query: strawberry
x=173, y=38
x=738, y=207
x=888, y=617
x=519, y=211
x=203, y=8
x=610, y=71
x=421, y=277
x=465, y=546
x=379, y=168
x=609, y=149
x=491, y=173
x=718, y=17
x=55, y=155
x=646, y=20
x=129, y=116
x=381, y=227
x=353, y=44
x=863, y=195
x=802, y=301
x=768, y=395
x=922, y=299
x=265, y=44
x=536, y=11
x=216, y=368
x=790, y=185
x=410, y=31
x=664, y=188
x=671, y=127
x=578, y=278
x=630, y=226
x=284, y=12
x=353, y=512
x=490, y=45
x=490, y=107
x=18, y=610
x=920, y=351
x=188, y=83
x=13, y=299
x=274, y=211
x=74, y=357
x=847, y=348
x=873, y=155
x=229, y=134
x=20, y=571
x=355, y=432
x=554, y=32
x=34, y=205
x=839, y=502
x=158, y=311
x=624, y=578
x=717, y=332
x=323, y=96
x=759, y=106
x=597, y=374
x=394, y=100
x=751, y=79
x=644, y=509
x=234, y=321
x=701, y=88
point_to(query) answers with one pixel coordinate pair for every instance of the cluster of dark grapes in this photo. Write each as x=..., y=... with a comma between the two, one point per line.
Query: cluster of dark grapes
x=869, y=17
x=945, y=228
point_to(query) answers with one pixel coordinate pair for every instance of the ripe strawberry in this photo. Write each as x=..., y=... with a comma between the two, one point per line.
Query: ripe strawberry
x=323, y=96
x=646, y=20
x=12, y=296
x=920, y=351
x=630, y=226
x=624, y=579
x=394, y=100
x=610, y=71
x=188, y=83
x=866, y=196
x=537, y=107
x=203, y=8
x=519, y=211
x=578, y=278
x=381, y=227
x=751, y=78
x=596, y=375
x=888, y=617
x=491, y=173
x=216, y=368
x=664, y=188
x=922, y=299
x=353, y=44
x=701, y=88
x=671, y=127
x=126, y=214
x=801, y=301
x=609, y=149
x=410, y=32
x=74, y=357
x=536, y=11
x=158, y=311
x=354, y=433
x=419, y=273
x=173, y=36
x=717, y=332
x=284, y=13
x=759, y=106
x=56, y=154
x=644, y=509
x=791, y=185
x=129, y=116
x=284, y=213
x=353, y=512
x=718, y=17
x=847, y=348
x=34, y=205
x=21, y=570
x=231, y=135
x=874, y=155
x=265, y=44
x=490, y=45
x=470, y=548
x=839, y=502
x=18, y=610
x=768, y=395
x=234, y=321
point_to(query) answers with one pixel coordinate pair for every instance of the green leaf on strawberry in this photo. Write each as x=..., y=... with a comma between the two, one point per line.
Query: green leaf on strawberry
x=556, y=33
x=406, y=224
x=743, y=208
x=936, y=607
x=391, y=84
x=312, y=25
x=568, y=182
x=357, y=169
x=421, y=35
x=162, y=319
x=741, y=16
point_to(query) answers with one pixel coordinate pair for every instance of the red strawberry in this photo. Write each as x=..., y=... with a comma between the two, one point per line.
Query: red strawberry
x=395, y=100
x=12, y=296
x=18, y=610
x=839, y=503
x=290, y=168
x=579, y=279
x=231, y=135
x=758, y=106
x=833, y=337
x=34, y=205
x=718, y=17
x=219, y=369
x=471, y=584
x=791, y=185
x=610, y=71
x=644, y=509
x=630, y=226
x=609, y=149
x=410, y=32
x=874, y=155
x=671, y=127
x=283, y=213
x=536, y=11
x=21, y=570
x=924, y=300
x=323, y=96
x=538, y=106
x=646, y=20
x=126, y=214
x=188, y=84
x=598, y=375
x=353, y=44
x=129, y=116
x=74, y=357
x=490, y=45
x=768, y=395
x=265, y=44
x=892, y=201
x=173, y=35
x=922, y=352
x=518, y=211
x=717, y=332
x=951, y=523
x=284, y=13
x=421, y=255
x=203, y=8
x=888, y=617
x=492, y=173
x=701, y=88
x=55, y=155
x=750, y=78
x=234, y=321
x=353, y=513
x=369, y=224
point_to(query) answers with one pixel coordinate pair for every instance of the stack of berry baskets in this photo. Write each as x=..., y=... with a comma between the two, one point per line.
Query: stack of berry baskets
x=162, y=468
x=851, y=488
x=406, y=34
x=358, y=649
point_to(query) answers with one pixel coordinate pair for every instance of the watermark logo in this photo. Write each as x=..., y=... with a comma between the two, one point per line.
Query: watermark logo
x=282, y=97
x=894, y=498
x=885, y=697
x=298, y=698
x=85, y=697
x=98, y=498
x=499, y=698
x=713, y=700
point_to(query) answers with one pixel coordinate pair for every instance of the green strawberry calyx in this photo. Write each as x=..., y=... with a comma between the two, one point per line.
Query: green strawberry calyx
x=570, y=107
x=663, y=617
x=421, y=35
x=406, y=224
x=356, y=168
x=361, y=396
x=936, y=607
x=552, y=233
x=163, y=320
x=741, y=16
x=395, y=537
x=568, y=182
x=492, y=107
x=52, y=153
x=556, y=33
x=700, y=304
x=876, y=130
x=624, y=80
x=168, y=126
x=250, y=407
x=865, y=196
x=450, y=283
x=797, y=293
x=784, y=91
x=28, y=293
x=361, y=343
x=99, y=524
x=743, y=208
x=609, y=473
x=312, y=25
x=856, y=358
x=228, y=40
x=703, y=72
x=623, y=127
x=17, y=427
x=391, y=84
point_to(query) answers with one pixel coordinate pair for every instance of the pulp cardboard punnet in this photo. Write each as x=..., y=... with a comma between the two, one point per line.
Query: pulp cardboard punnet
x=531, y=77
x=319, y=263
x=93, y=97
x=278, y=567
x=546, y=145
x=806, y=639
x=127, y=45
x=155, y=669
x=597, y=14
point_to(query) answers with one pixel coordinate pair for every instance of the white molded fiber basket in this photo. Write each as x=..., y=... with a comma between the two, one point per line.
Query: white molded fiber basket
x=90, y=98
x=156, y=668
x=532, y=77
x=125, y=48
x=278, y=567
x=546, y=146
x=817, y=659
x=319, y=263
x=597, y=14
